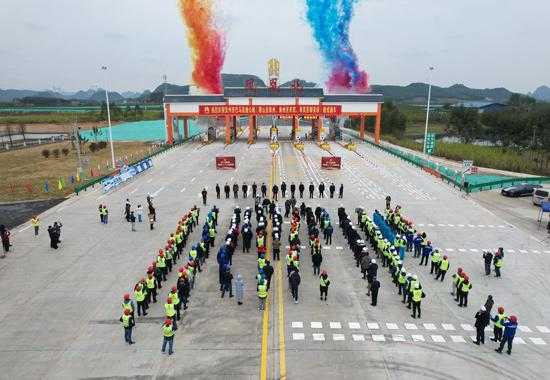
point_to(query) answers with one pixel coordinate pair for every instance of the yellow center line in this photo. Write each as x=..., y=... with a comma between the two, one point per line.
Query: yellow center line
x=281, y=309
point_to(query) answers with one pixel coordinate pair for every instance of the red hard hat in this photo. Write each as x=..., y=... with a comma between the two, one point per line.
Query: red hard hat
x=500, y=310
x=445, y=257
x=429, y=242
x=160, y=250
x=168, y=322
x=459, y=270
x=513, y=318
x=169, y=300
x=126, y=296
x=174, y=289
x=167, y=246
x=126, y=311
x=161, y=254
x=180, y=270
x=149, y=268
x=154, y=264
x=150, y=274
x=323, y=273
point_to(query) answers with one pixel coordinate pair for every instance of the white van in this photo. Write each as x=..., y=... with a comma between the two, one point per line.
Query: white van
x=540, y=195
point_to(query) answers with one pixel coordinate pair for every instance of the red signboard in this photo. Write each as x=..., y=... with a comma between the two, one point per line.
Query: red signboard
x=294, y=110
x=331, y=162
x=225, y=162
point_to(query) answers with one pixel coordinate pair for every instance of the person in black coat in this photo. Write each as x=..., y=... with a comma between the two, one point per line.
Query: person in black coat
x=226, y=190
x=283, y=189
x=292, y=189
x=301, y=189
x=483, y=319
x=254, y=189
x=372, y=270
x=489, y=304
x=226, y=282
x=311, y=189
x=245, y=190
x=331, y=190
x=488, y=259
x=217, y=191
x=268, y=272
x=235, y=190
x=374, y=291
x=275, y=190
x=264, y=190
x=341, y=191
x=321, y=190
x=294, y=282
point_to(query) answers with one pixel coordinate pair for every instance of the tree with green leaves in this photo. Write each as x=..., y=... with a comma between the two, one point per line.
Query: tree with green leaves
x=465, y=123
x=393, y=120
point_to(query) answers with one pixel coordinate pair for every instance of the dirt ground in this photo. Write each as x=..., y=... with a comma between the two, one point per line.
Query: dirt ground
x=23, y=173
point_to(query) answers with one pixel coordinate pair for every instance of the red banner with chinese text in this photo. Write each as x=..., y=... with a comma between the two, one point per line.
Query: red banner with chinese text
x=225, y=162
x=331, y=162
x=284, y=110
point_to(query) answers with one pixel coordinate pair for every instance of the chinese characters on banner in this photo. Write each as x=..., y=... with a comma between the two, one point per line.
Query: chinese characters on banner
x=223, y=110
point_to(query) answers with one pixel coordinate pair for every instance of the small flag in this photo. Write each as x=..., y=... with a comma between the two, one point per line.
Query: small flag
x=59, y=184
x=46, y=186
x=71, y=179
x=77, y=176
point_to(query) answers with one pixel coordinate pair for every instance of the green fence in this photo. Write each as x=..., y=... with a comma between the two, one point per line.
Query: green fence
x=474, y=182
x=162, y=149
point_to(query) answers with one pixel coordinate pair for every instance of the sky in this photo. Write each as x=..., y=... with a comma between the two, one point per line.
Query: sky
x=479, y=43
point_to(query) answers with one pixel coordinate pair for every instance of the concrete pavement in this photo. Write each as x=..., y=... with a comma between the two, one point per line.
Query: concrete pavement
x=60, y=309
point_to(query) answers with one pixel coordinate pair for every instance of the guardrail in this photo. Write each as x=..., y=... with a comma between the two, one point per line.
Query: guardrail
x=445, y=173
x=163, y=149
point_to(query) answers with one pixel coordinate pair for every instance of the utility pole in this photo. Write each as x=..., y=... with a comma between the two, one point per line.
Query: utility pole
x=428, y=107
x=109, y=120
x=77, y=144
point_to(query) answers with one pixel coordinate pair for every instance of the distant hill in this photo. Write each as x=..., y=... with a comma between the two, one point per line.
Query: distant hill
x=239, y=80
x=302, y=82
x=542, y=94
x=417, y=93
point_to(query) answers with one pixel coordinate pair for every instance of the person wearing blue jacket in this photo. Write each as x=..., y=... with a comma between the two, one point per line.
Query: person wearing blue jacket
x=426, y=251
x=417, y=241
x=510, y=327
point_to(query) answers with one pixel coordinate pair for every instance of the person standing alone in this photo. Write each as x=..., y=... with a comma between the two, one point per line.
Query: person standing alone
x=35, y=223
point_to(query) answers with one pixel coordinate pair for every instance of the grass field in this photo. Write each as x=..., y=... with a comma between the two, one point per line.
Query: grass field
x=70, y=117
x=23, y=172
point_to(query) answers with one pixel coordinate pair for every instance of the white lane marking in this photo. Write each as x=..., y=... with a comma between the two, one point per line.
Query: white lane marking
x=378, y=338
x=471, y=225
x=297, y=325
x=511, y=250
x=157, y=192
x=193, y=179
x=319, y=337
x=481, y=225
x=449, y=249
x=467, y=327
x=24, y=228
x=523, y=251
x=448, y=326
x=441, y=225
x=411, y=326
x=133, y=191
x=429, y=326
x=461, y=250
x=231, y=179
x=298, y=336
x=338, y=337
x=327, y=247
x=339, y=247
x=316, y=325
x=538, y=341
x=373, y=326
x=354, y=325
x=451, y=225
x=473, y=250
x=491, y=226
x=525, y=328
x=438, y=338
x=392, y=326
x=335, y=325
x=535, y=251
x=182, y=190
x=461, y=225
x=519, y=340
x=150, y=180
x=458, y=339
x=431, y=225
x=101, y=196
x=418, y=338
x=543, y=329
x=358, y=337
x=546, y=251
x=200, y=171
x=398, y=338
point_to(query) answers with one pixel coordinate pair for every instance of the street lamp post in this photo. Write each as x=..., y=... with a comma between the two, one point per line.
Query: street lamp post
x=428, y=107
x=109, y=121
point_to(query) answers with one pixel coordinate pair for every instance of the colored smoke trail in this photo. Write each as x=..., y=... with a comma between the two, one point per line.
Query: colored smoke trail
x=206, y=42
x=330, y=21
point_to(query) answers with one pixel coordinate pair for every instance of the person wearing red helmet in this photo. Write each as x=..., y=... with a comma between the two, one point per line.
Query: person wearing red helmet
x=128, y=323
x=170, y=310
x=510, y=327
x=151, y=285
x=498, y=327
x=183, y=287
x=443, y=268
x=324, y=283
x=139, y=295
x=161, y=263
x=465, y=288
x=459, y=283
x=456, y=279
x=168, y=332
x=127, y=303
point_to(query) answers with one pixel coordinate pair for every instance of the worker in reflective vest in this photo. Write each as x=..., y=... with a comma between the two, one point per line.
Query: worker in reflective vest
x=498, y=264
x=161, y=264
x=168, y=331
x=443, y=268
x=128, y=304
x=127, y=323
x=151, y=285
x=464, y=290
x=35, y=223
x=324, y=283
x=170, y=311
x=139, y=296
x=436, y=259
x=262, y=295
x=417, y=295
x=498, y=328
x=175, y=301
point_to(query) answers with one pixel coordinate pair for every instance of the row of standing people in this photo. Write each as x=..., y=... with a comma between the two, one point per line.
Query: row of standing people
x=275, y=189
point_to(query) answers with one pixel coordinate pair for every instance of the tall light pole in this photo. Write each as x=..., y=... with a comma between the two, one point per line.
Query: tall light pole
x=109, y=118
x=428, y=107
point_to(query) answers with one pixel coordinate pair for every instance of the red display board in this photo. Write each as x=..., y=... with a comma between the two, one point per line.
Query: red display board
x=331, y=162
x=225, y=162
x=285, y=110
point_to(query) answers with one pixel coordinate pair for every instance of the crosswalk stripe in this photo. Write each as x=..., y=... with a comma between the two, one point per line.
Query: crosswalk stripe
x=523, y=251
x=339, y=247
x=358, y=337
x=316, y=325
x=411, y=326
x=338, y=337
x=458, y=339
x=438, y=338
x=392, y=326
x=378, y=338
x=318, y=336
x=467, y=327
x=297, y=325
x=327, y=247
x=461, y=250
x=538, y=341
x=298, y=336
x=372, y=326
x=335, y=325
x=429, y=326
x=543, y=329
x=525, y=329
x=449, y=249
x=519, y=340
x=511, y=250
x=473, y=250
x=418, y=338
x=354, y=325
x=448, y=326
x=398, y=338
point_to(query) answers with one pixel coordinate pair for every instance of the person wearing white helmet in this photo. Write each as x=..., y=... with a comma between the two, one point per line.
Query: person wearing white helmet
x=416, y=296
x=372, y=271
x=483, y=319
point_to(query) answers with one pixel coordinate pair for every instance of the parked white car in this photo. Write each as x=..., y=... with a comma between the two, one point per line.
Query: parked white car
x=541, y=195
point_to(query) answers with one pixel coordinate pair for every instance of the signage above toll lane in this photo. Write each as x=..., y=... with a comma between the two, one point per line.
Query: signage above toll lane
x=286, y=110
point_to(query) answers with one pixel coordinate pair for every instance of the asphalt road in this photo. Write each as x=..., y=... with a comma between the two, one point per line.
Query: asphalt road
x=59, y=309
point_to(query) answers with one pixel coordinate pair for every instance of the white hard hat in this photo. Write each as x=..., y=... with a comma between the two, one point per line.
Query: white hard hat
x=415, y=276
x=373, y=261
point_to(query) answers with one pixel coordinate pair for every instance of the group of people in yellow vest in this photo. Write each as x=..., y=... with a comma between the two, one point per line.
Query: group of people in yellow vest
x=145, y=291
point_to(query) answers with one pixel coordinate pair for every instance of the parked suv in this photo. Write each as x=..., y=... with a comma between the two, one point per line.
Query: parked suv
x=540, y=195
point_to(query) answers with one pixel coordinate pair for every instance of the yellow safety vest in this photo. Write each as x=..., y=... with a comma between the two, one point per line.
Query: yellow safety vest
x=127, y=305
x=139, y=296
x=150, y=282
x=262, y=291
x=161, y=263
x=167, y=331
x=35, y=222
x=261, y=263
x=444, y=265
x=466, y=287
x=323, y=282
x=169, y=308
x=175, y=298
x=499, y=263
x=500, y=319
x=125, y=320
x=417, y=295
